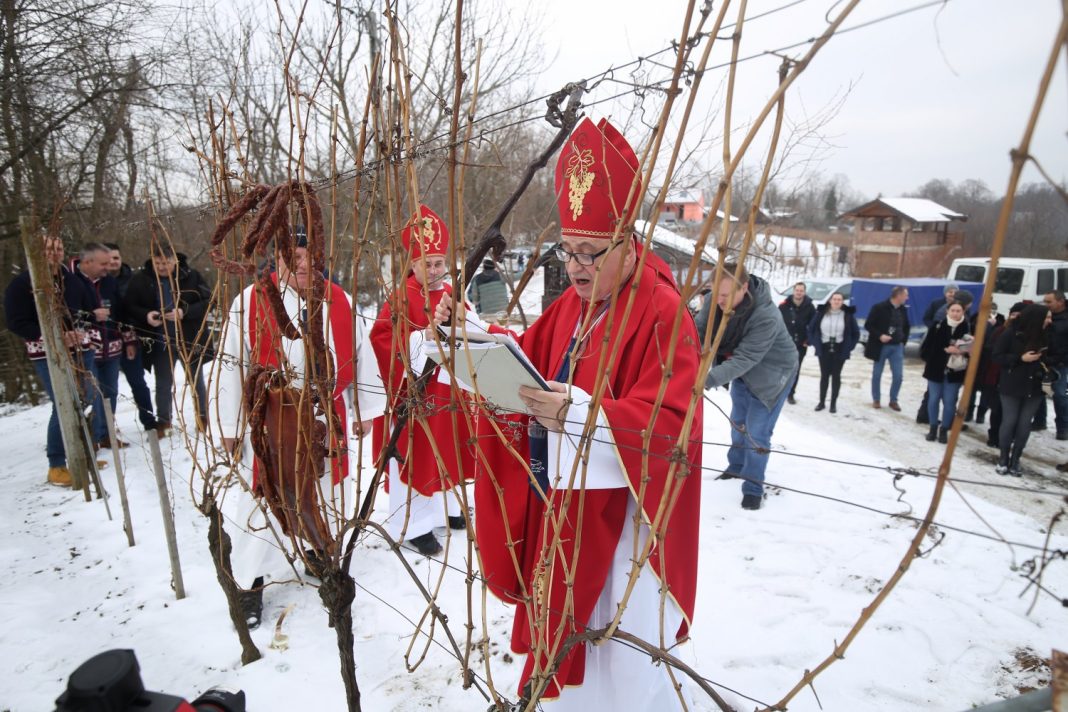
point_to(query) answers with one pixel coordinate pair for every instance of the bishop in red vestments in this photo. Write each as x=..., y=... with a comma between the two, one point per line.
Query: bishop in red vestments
x=433, y=455
x=567, y=502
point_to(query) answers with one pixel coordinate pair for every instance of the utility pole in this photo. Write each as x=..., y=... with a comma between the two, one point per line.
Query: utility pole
x=66, y=401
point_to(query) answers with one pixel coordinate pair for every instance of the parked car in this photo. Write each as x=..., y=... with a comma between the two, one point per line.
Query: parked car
x=820, y=289
x=1018, y=278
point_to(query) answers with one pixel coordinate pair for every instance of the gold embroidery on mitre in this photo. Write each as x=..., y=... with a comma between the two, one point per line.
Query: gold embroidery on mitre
x=423, y=231
x=579, y=179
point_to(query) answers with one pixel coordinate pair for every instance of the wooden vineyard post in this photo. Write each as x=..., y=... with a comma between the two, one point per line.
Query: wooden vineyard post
x=120, y=477
x=168, y=518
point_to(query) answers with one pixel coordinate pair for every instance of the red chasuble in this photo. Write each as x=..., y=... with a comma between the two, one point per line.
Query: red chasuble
x=514, y=514
x=444, y=416
x=265, y=347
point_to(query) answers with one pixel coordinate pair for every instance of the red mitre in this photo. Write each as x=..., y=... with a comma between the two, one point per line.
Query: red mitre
x=425, y=234
x=594, y=175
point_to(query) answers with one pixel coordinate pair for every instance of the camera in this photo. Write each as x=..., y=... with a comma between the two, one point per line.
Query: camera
x=111, y=682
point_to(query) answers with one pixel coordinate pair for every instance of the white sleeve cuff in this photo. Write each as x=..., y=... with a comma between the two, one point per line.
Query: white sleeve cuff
x=603, y=469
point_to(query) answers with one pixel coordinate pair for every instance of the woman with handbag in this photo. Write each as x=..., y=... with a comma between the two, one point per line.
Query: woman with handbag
x=1020, y=351
x=833, y=333
x=945, y=352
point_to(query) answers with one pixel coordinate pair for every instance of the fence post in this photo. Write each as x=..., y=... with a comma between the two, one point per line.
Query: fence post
x=120, y=477
x=65, y=400
x=168, y=518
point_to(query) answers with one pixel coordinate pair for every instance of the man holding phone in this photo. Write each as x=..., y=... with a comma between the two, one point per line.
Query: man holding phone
x=168, y=300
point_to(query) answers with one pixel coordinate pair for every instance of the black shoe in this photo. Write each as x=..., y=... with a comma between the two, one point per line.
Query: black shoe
x=943, y=436
x=791, y=400
x=964, y=428
x=752, y=501
x=1037, y=427
x=426, y=544
x=980, y=419
x=727, y=476
x=1062, y=434
x=315, y=563
x=932, y=434
x=993, y=442
x=820, y=406
x=834, y=408
x=458, y=522
x=252, y=604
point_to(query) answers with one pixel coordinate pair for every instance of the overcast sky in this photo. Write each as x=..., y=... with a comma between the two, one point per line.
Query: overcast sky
x=943, y=92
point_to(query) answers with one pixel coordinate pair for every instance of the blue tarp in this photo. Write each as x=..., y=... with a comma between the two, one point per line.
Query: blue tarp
x=922, y=291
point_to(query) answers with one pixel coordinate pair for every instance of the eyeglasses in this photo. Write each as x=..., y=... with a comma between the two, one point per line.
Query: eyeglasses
x=583, y=258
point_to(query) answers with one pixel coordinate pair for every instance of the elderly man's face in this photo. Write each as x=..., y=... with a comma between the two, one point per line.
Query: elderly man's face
x=614, y=266
x=296, y=275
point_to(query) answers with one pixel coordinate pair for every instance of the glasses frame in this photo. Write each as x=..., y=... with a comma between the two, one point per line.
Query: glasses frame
x=583, y=258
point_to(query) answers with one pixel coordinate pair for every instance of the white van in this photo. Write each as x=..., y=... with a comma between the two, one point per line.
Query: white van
x=1018, y=279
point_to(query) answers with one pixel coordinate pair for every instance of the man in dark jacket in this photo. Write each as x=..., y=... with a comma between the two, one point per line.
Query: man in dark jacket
x=797, y=312
x=759, y=360
x=21, y=313
x=930, y=315
x=888, y=331
x=130, y=361
x=1058, y=358
x=105, y=335
x=168, y=299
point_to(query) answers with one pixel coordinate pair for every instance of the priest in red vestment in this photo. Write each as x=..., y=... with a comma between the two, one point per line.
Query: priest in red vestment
x=432, y=455
x=605, y=471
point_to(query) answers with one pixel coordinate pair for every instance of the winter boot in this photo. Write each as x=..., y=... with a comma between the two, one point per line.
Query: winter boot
x=59, y=476
x=943, y=436
x=932, y=434
x=921, y=414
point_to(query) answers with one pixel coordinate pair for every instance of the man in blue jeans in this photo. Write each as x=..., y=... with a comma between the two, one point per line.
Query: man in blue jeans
x=72, y=300
x=758, y=357
x=888, y=331
x=1058, y=356
x=130, y=362
x=104, y=334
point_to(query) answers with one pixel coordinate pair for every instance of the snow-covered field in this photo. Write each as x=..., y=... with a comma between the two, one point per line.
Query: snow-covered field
x=778, y=587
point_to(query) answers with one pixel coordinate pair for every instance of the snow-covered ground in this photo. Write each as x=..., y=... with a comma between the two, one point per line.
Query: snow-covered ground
x=778, y=587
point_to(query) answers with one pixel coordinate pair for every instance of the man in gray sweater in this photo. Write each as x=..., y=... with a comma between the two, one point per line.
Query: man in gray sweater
x=759, y=359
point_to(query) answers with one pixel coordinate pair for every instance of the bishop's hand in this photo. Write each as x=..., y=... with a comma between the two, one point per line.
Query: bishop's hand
x=442, y=315
x=548, y=407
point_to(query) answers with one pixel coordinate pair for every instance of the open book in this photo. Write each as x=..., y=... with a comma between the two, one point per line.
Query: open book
x=493, y=362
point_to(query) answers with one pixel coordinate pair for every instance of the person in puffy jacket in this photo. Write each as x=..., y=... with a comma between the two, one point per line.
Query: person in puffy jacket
x=1021, y=353
x=945, y=352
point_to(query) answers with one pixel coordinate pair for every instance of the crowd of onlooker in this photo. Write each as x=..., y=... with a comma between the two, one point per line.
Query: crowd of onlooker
x=116, y=320
x=1023, y=356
